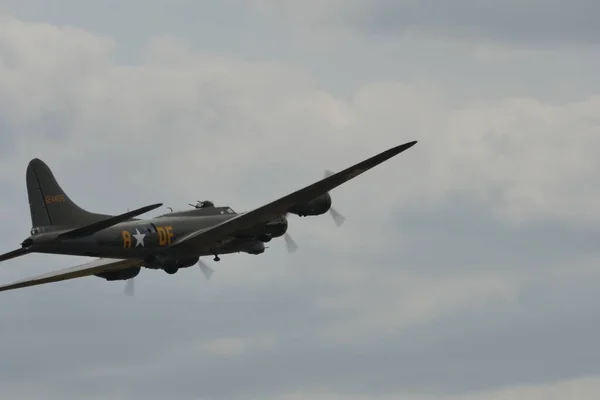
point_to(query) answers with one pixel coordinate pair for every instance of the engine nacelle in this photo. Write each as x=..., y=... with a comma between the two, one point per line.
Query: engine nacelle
x=274, y=228
x=255, y=247
x=120, y=275
x=317, y=206
x=169, y=263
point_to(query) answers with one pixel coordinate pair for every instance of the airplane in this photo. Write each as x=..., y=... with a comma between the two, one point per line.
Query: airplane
x=124, y=244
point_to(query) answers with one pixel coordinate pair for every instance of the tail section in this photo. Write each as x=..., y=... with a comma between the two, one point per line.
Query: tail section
x=49, y=204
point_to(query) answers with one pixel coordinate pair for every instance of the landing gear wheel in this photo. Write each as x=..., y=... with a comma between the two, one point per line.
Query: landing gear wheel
x=216, y=258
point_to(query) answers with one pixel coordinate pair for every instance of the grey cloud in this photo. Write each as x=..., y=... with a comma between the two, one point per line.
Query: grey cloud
x=459, y=224
x=542, y=22
x=537, y=21
x=432, y=217
x=224, y=27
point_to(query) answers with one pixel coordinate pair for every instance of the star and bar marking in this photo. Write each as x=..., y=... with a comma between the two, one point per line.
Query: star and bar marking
x=165, y=237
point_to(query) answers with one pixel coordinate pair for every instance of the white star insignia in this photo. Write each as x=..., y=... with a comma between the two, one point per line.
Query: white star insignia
x=139, y=237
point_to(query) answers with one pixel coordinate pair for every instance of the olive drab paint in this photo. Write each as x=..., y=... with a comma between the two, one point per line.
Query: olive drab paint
x=123, y=244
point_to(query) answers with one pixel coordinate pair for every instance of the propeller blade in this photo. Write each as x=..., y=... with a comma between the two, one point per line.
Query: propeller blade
x=206, y=270
x=337, y=217
x=130, y=287
x=289, y=243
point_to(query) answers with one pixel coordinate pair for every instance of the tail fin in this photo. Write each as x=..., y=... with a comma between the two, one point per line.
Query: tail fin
x=49, y=204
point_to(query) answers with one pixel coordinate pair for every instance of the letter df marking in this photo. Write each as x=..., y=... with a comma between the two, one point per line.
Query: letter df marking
x=165, y=235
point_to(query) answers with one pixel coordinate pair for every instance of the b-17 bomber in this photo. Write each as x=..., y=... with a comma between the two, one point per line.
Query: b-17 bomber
x=124, y=244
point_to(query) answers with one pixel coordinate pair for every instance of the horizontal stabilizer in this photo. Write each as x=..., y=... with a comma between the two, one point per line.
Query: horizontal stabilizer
x=91, y=268
x=14, y=254
x=106, y=223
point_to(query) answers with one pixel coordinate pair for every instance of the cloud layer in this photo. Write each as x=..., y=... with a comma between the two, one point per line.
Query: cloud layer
x=539, y=22
x=466, y=268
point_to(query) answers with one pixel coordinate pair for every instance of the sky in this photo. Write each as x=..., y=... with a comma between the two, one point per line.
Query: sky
x=467, y=268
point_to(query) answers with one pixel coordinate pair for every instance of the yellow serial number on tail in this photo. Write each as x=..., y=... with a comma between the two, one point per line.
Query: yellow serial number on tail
x=57, y=198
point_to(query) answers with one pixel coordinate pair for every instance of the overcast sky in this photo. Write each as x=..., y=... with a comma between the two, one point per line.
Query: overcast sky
x=468, y=267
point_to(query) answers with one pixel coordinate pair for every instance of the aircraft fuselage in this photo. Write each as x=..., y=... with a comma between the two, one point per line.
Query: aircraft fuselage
x=147, y=238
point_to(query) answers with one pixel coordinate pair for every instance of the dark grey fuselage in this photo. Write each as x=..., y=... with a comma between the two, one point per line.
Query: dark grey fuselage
x=145, y=238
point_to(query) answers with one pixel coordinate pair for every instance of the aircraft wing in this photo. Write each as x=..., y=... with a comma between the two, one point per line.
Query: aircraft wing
x=219, y=233
x=90, y=268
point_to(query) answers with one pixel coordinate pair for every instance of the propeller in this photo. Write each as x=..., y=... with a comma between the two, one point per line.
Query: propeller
x=337, y=217
x=130, y=287
x=206, y=270
x=290, y=243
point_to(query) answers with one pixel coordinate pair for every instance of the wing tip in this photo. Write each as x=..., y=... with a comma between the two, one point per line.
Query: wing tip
x=400, y=148
x=408, y=145
x=14, y=254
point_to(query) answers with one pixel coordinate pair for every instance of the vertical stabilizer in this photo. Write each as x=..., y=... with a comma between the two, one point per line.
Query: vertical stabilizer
x=49, y=204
